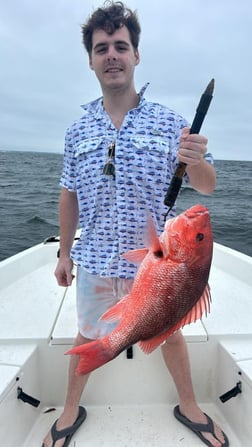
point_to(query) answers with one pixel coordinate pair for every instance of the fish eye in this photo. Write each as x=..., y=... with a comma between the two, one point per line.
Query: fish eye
x=199, y=237
x=158, y=253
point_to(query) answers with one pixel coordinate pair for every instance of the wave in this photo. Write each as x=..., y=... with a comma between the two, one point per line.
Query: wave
x=41, y=221
x=36, y=219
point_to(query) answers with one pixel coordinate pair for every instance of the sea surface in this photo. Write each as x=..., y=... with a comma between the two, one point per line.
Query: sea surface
x=29, y=193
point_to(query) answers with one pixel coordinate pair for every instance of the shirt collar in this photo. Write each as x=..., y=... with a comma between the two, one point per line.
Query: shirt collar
x=95, y=107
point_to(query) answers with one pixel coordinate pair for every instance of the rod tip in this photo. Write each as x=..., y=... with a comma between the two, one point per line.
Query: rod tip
x=210, y=87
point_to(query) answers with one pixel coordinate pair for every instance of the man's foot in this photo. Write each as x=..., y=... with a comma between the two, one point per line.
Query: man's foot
x=64, y=428
x=198, y=421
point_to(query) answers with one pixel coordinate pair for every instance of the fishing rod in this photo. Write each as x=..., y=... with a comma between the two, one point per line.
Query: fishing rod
x=176, y=181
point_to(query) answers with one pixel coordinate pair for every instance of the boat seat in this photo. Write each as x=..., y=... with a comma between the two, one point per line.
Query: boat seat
x=13, y=357
x=239, y=351
x=37, y=298
x=8, y=374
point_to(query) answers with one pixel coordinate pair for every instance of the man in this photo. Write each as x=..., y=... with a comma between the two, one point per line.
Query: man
x=119, y=160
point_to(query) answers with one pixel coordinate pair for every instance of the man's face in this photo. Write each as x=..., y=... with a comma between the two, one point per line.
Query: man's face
x=113, y=59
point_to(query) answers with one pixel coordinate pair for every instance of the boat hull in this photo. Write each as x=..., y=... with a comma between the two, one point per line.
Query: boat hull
x=129, y=401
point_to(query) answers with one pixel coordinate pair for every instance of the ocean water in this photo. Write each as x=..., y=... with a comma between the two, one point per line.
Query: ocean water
x=29, y=193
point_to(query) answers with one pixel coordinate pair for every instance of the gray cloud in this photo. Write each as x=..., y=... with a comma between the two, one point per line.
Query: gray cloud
x=45, y=77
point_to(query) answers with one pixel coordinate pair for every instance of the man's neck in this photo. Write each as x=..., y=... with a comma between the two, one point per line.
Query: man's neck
x=118, y=104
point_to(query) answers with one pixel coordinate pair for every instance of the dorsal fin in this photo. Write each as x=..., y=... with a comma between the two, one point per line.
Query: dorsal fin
x=151, y=238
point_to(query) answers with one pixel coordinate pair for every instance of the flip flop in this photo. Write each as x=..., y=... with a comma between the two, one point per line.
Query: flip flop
x=67, y=432
x=198, y=428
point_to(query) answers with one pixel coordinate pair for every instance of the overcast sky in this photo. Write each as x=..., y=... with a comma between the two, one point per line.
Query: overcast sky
x=44, y=75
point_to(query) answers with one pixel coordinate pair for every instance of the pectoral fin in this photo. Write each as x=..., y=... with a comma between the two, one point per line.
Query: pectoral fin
x=152, y=243
x=135, y=256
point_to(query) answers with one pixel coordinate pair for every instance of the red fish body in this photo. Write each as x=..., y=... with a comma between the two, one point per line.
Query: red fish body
x=170, y=290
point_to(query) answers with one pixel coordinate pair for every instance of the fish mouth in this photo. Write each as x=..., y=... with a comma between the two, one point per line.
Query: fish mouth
x=195, y=211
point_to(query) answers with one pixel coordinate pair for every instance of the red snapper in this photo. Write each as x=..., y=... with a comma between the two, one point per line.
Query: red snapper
x=170, y=290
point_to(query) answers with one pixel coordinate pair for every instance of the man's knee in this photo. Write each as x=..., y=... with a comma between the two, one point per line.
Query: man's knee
x=175, y=338
x=80, y=340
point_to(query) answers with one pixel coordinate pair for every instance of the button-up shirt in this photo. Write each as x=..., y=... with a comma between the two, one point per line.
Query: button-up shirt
x=114, y=210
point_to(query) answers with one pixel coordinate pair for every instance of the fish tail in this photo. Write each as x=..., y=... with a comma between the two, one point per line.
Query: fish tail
x=92, y=355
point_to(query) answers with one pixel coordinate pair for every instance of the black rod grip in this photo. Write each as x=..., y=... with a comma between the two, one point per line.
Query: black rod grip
x=172, y=191
x=201, y=111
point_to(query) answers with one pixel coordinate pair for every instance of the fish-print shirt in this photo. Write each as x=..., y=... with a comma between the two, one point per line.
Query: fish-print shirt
x=114, y=210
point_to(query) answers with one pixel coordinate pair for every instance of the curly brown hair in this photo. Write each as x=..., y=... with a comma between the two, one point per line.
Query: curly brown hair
x=110, y=17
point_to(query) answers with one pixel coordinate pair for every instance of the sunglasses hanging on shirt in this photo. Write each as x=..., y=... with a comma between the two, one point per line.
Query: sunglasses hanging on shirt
x=109, y=168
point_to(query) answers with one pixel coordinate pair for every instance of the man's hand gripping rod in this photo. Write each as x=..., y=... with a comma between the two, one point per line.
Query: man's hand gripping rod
x=176, y=181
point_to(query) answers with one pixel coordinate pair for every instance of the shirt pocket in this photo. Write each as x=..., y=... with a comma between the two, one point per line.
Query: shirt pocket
x=152, y=151
x=88, y=145
x=153, y=145
x=90, y=157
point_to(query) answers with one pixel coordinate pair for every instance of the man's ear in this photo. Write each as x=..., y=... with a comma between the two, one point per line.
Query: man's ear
x=137, y=56
x=90, y=63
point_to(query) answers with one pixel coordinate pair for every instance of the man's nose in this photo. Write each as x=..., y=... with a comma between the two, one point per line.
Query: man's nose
x=111, y=54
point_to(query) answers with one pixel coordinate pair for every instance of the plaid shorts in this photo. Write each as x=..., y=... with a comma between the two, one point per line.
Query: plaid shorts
x=95, y=295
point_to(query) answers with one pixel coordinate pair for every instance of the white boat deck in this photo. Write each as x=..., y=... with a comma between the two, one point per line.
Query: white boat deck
x=130, y=426
x=129, y=402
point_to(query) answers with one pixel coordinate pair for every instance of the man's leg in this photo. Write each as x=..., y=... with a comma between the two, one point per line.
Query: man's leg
x=177, y=361
x=75, y=389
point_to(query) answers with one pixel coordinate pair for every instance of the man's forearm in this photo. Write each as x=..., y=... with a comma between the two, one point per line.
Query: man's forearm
x=69, y=217
x=202, y=177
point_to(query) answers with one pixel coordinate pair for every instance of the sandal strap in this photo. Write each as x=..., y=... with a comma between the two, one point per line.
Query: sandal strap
x=59, y=434
x=208, y=427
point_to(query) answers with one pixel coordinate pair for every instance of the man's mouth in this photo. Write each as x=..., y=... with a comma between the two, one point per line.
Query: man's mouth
x=113, y=70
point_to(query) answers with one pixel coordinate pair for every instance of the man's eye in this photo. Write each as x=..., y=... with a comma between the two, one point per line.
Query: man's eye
x=102, y=50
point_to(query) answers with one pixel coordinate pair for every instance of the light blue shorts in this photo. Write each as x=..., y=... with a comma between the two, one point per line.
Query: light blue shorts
x=95, y=295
